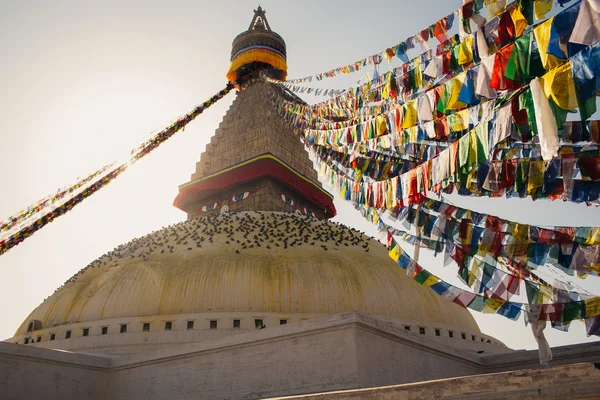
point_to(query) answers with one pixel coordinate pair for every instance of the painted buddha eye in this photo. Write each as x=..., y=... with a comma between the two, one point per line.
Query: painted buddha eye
x=287, y=200
x=241, y=196
x=309, y=212
x=210, y=207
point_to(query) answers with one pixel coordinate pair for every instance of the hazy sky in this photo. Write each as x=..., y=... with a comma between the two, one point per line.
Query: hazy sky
x=81, y=83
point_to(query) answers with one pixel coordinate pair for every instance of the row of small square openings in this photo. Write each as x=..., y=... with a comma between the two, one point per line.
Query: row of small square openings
x=258, y=324
x=438, y=332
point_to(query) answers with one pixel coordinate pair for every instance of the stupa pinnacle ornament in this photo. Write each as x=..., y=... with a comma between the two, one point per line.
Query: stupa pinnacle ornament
x=259, y=48
x=259, y=21
x=254, y=162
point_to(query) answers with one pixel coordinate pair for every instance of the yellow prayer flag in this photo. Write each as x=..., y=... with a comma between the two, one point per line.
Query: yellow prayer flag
x=394, y=252
x=492, y=305
x=495, y=7
x=536, y=176
x=544, y=294
x=460, y=122
x=511, y=153
x=519, y=20
x=465, y=54
x=472, y=147
x=472, y=181
x=385, y=90
x=521, y=231
x=390, y=203
x=595, y=267
x=558, y=84
x=594, y=237
x=592, y=307
x=431, y=280
x=418, y=74
x=381, y=126
x=410, y=114
x=455, y=85
x=542, y=37
x=465, y=239
x=515, y=247
x=475, y=272
x=541, y=8
x=367, y=85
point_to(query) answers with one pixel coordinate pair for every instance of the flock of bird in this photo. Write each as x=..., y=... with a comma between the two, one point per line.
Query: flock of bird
x=242, y=231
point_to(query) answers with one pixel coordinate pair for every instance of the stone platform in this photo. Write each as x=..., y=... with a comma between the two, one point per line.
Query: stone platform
x=326, y=354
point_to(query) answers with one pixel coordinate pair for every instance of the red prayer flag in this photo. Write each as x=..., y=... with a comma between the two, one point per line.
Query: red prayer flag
x=440, y=31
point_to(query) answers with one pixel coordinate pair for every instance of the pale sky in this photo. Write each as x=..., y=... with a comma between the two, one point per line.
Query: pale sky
x=81, y=83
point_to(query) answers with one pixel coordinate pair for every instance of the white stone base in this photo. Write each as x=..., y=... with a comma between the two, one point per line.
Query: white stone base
x=336, y=352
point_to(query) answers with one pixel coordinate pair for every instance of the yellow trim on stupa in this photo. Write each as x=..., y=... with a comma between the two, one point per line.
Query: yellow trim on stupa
x=256, y=55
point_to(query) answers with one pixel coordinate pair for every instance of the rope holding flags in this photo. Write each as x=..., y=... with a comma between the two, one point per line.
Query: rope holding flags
x=136, y=154
x=33, y=209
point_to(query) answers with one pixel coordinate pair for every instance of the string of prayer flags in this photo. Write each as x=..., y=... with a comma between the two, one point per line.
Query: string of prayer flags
x=587, y=307
x=439, y=30
x=571, y=250
x=511, y=66
x=559, y=312
x=506, y=21
x=512, y=177
x=144, y=149
x=42, y=204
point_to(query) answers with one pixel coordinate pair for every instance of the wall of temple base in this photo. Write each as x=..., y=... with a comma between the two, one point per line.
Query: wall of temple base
x=149, y=332
x=332, y=353
x=383, y=359
x=34, y=373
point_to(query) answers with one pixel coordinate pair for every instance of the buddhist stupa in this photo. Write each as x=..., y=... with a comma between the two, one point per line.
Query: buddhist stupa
x=258, y=294
x=257, y=249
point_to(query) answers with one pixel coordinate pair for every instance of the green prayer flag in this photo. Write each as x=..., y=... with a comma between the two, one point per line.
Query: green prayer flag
x=466, y=25
x=521, y=175
x=371, y=134
x=518, y=65
x=488, y=270
x=582, y=233
x=560, y=115
x=463, y=274
x=526, y=7
x=478, y=303
x=422, y=276
x=573, y=310
x=454, y=65
x=482, y=143
x=460, y=213
x=444, y=98
x=526, y=103
x=532, y=292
